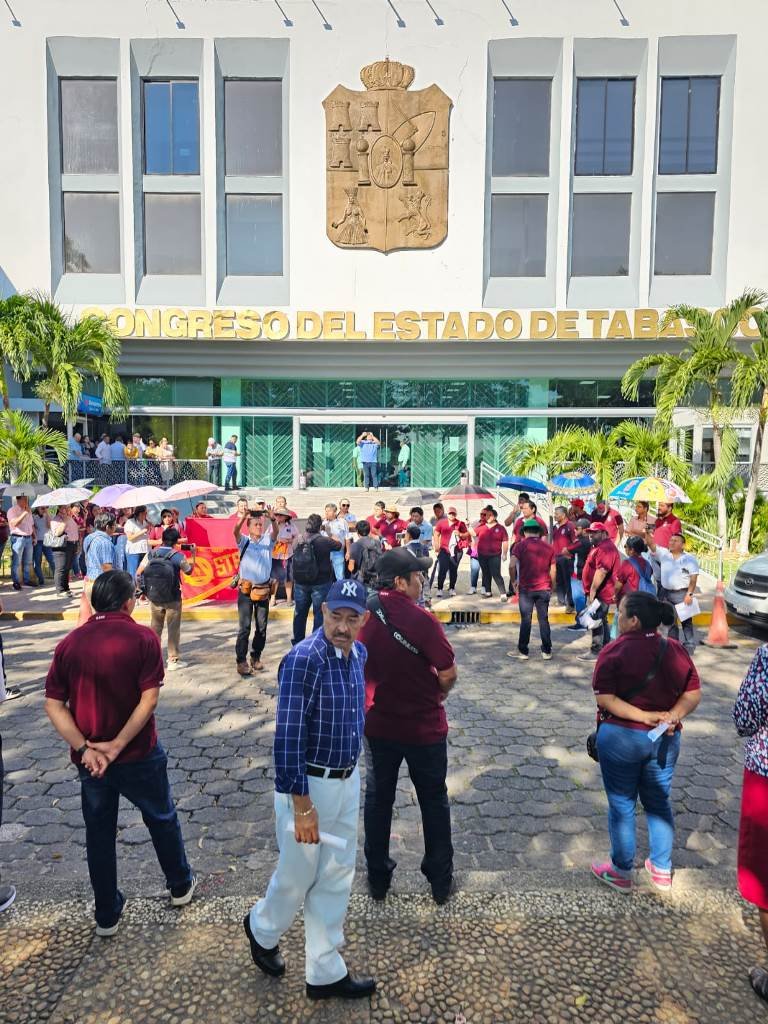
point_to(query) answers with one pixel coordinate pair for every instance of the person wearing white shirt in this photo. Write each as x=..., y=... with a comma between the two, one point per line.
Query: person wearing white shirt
x=336, y=526
x=678, y=574
x=136, y=539
x=213, y=454
x=103, y=449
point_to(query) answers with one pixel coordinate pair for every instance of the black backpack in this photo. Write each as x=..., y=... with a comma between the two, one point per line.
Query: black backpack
x=305, y=568
x=370, y=556
x=161, y=579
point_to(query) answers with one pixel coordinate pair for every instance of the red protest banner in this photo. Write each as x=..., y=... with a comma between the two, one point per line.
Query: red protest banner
x=216, y=561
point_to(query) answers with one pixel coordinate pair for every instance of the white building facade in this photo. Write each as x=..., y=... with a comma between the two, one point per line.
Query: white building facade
x=166, y=166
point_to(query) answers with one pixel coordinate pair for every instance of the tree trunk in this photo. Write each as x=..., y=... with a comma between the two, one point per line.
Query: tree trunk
x=754, y=475
x=46, y=413
x=722, y=513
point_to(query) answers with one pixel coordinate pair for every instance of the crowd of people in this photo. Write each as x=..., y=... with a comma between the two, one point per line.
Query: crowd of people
x=374, y=676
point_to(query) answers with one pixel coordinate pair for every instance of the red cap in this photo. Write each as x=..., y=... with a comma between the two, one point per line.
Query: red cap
x=577, y=502
x=597, y=528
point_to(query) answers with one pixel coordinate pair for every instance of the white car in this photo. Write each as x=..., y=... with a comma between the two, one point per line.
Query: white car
x=747, y=595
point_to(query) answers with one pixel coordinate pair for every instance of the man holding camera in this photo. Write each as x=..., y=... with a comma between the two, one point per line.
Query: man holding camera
x=254, y=584
x=159, y=579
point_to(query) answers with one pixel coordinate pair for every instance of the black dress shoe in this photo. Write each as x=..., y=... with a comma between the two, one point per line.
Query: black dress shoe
x=442, y=893
x=347, y=988
x=268, y=960
x=378, y=890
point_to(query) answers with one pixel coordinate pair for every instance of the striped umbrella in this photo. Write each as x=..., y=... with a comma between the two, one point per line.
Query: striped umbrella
x=649, y=488
x=572, y=483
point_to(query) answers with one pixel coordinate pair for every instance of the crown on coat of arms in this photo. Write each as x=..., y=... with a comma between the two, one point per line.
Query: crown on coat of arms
x=387, y=74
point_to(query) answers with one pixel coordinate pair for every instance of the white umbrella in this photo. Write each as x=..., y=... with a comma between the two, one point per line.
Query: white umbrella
x=139, y=496
x=61, y=496
x=190, y=489
x=14, y=490
x=83, y=482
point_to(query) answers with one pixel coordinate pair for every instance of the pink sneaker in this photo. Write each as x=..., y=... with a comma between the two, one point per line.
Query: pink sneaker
x=607, y=873
x=660, y=879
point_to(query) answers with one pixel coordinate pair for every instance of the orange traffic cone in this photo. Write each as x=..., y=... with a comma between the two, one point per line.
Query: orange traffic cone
x=718, y=627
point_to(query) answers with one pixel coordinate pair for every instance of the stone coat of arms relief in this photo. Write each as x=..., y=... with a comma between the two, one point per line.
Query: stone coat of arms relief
x=387, y=162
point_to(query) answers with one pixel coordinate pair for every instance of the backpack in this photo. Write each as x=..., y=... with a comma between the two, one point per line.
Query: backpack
x=305, y=568
x=646, y=584
x=161, y=579
x=366, y=571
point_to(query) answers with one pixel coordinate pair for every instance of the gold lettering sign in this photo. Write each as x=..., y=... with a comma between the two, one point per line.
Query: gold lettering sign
x=544, y=325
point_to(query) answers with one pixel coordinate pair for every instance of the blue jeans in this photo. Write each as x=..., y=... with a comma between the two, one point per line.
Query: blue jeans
x=634, y=767
x=474, y=572
x=538, y=599
x=230, y=478
x=21, y=553
x=427, y=767
x=337, y=561
x=371, y=474
x=132, y=562
x=39, y=551
x=306, y=596
x=145, y=784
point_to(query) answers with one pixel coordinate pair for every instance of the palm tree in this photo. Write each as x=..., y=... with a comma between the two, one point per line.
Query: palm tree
x=14, y=348
x=647, y=452
x=25, y=449
x=702, y=363
x=631, y=447
x=750, y=377
x=66, y=353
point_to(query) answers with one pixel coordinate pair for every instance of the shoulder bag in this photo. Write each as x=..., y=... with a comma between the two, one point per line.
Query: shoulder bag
x=234, y=583
x=376, y=608
x=653, y=671
x=56, y=541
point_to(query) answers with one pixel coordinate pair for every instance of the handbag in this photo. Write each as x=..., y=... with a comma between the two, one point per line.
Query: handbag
x=234, y=583
x=57, y=541
x=653, y=671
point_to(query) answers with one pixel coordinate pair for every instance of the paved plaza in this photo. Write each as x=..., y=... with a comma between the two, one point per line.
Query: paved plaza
x=529, y=937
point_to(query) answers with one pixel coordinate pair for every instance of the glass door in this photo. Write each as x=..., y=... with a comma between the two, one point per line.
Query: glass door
x=328, y=454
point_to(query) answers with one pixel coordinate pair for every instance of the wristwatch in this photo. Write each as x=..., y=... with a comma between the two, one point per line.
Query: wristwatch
x=81, y=750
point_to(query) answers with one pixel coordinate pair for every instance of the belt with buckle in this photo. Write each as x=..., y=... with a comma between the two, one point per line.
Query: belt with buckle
x=320, y=771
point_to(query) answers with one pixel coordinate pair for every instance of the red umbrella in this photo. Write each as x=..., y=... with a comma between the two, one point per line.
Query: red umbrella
x=467, y=493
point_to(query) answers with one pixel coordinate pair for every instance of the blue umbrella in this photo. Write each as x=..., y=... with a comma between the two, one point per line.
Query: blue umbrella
x=522, y=483
x=572, y=483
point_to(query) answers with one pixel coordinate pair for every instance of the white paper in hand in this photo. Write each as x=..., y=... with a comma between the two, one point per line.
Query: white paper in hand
x=336, y=842
x=658, y=732
x=687, y=611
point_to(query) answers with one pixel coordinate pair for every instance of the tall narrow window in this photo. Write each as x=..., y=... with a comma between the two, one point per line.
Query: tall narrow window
x=171, y=128
x=600, y=235
x=604, y=125
x=253, y=182
x=90, y=155
x=688, y=133
x=521, y=119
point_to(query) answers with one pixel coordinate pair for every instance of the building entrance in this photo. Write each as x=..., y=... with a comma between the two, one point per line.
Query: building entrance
x=429, y=455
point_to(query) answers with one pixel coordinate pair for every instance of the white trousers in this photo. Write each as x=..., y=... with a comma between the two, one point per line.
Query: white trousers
x=319, y=876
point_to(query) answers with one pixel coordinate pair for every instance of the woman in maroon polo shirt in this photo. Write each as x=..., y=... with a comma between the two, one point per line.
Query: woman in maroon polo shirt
x=632, y=569
x=639, y=684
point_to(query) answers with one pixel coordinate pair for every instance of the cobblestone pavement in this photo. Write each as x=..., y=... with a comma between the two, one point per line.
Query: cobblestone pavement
x=528, y=938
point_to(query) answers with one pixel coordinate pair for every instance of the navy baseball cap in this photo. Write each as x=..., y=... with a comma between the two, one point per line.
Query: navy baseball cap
x=347, y=594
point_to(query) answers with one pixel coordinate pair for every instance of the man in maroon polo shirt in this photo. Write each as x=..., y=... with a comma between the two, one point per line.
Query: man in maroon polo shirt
x=101, y=693
x=532, y=573
x=392, y=528
x=667, y=524
x=599, y=577
x=610, y=519
x=377, y=520
x=409, y=671
x=563, y=535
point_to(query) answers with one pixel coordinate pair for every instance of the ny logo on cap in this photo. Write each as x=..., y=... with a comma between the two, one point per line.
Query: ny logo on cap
x=349, y=588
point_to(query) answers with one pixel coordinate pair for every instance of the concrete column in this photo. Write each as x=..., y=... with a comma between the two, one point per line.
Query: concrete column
x=296, y=450
x=230, y=423
x=471, y=448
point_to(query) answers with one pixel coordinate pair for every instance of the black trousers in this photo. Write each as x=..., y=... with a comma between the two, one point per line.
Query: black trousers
x=601, y=635
x=62, y=561
x=490, y=567
x=563, y=569
x=447, y=565
x=246, y=611
x=427, y=767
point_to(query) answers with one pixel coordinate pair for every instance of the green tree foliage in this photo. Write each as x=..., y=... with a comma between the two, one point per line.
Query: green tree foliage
x=28, y=451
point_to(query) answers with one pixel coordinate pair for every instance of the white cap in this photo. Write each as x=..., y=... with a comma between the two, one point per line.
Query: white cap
x=211, y=440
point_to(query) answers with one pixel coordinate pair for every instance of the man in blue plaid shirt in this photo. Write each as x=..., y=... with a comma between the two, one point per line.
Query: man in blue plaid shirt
x=318, y=733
